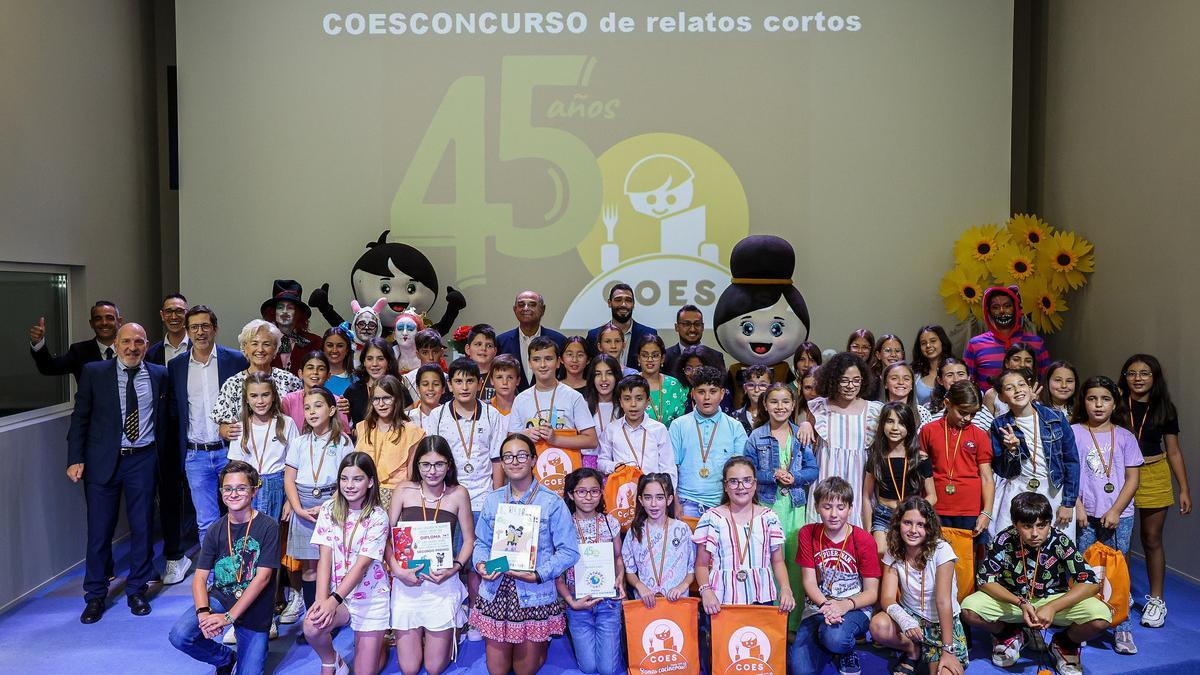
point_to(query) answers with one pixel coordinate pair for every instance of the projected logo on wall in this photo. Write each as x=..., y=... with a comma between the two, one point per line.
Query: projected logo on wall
x=659, y=211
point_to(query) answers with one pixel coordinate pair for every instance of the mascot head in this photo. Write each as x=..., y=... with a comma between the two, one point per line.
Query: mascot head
x=399, y=273
x=761, y=318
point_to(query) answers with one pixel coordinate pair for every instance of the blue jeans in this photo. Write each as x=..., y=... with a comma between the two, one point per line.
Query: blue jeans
x=251, y=644
x=596, y=636
x=203, y=469
x=691, y=509
x=1118, y=539
x=270, y=497
x=816, y=643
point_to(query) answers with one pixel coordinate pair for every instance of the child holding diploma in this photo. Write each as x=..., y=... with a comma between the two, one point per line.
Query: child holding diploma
x=427, y=605
x=518, y=611
x=657, y=551
x=352, y=585
x=594, y=621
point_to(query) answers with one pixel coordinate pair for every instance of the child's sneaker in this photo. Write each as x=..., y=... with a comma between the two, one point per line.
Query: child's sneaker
x=1006, y=647
x=1066, y=659
x=294, y=607
x=1123, y=642
x=848, y=664
x=1155, y=613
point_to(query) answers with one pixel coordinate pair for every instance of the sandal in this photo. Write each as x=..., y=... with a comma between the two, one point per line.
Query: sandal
x=903, y=664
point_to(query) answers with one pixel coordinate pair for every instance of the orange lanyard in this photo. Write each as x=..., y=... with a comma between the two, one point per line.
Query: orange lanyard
x=524, y=500
x=1033, y=449
x=1112, y=449
x=662, y=554
x=1030, y=578
x=743, y=555
x=316, y=473
x=903, y=475
x=841, y=549
x=349, y=542
x=1142, y=424
x=229, y=540
x=950, y=458
x=258, y=459
x=700, y=440
x=909, y=581
x=642, y=455
x=579, y=530
x=468, y=443
x=549, y=415
x=657, y=408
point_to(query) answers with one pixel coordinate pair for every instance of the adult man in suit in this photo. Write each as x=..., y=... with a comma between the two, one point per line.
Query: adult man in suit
x=113, y=446
x=689, y=325
x=620, y=304
x=529, y=307
x=175, y=337
x=194, y=380
x=105, y=320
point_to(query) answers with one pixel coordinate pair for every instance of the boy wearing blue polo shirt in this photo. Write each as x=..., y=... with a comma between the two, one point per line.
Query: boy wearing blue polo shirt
x=703, y=439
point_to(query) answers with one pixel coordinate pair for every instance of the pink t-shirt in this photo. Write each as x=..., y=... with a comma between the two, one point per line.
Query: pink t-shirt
x=1094, y=457
x=292, y=405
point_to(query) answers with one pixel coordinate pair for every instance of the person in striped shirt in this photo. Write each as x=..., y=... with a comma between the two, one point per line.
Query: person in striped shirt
x=984, y=355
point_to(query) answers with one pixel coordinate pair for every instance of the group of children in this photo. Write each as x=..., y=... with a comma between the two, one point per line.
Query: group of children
x=830, y=504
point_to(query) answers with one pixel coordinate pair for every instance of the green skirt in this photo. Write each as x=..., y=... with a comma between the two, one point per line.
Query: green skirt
x=792, y=519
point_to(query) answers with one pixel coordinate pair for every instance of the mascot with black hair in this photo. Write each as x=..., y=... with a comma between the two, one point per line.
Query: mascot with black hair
x=761, y=318
x=403, y=277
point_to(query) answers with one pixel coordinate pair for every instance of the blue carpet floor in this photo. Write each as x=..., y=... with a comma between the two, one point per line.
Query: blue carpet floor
x=43, y=635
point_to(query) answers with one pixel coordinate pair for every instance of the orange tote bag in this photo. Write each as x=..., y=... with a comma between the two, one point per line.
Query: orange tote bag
x=663, y=640
x=963, y=543
x=620, y=493
x=553, y=463
x=749, y=639
x=1112, y=574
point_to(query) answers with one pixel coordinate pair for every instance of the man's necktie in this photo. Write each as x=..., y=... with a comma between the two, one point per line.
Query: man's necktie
x=132, y=423
x=108, y=354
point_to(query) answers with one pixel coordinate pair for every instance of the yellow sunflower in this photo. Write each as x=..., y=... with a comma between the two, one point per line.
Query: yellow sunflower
x=1043, y=305
x=978, y=245
x=1027, y=230
x=1066, y=258
x=1013, y=265
x=962, y=292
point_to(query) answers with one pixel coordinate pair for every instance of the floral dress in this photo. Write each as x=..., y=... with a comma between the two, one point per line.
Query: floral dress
x=841, y=447
x=369, y=603
x=668, y=402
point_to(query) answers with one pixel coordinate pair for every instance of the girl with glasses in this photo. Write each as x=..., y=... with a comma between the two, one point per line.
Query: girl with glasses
x=427, y=608
x=387, y=435
x=594, y=622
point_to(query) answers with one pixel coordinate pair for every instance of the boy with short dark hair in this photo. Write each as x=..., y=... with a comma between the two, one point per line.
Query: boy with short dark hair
x=703, y=440
x=1062, y=591
x=481, y=348
x=840, y=567
x=506, y=377
x=549, y=412
x=243, y=549
x=429, y=347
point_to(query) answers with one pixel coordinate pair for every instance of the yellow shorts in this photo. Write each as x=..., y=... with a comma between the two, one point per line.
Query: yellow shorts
x=991, y=609
x=1154, y=486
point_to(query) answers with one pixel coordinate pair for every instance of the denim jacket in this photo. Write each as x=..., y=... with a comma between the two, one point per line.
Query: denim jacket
x=763, y=450
x=1058, y=440
x=557, y=547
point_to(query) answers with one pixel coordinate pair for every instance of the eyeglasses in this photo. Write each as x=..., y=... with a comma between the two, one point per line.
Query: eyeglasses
x=518, y=458
x=426, y=467
x=200, y=327
x=650, y=357
x=587, y=492
x=850, y=382
x=175, y=311
x=236, y=489
x=756, y=385
x=1139, y=374
x=382, y=399
x=746, y=482
x=691, y=324
x=691, y=369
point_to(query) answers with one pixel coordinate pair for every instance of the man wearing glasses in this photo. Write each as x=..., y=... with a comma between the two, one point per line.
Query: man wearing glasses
x=529, y=307
x=194, y=379
x=175, y=338
x=689, y=325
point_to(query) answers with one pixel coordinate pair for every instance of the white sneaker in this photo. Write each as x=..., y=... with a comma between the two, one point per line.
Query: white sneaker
x=176, y=571
x=1155, y=613
x=293, y=608
x=474, y=635
x=230, y=637
x=274, y=633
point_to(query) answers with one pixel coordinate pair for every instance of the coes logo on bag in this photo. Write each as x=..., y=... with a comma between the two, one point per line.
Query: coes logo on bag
x=553, y=465
x=663, y=643
x=749, y=651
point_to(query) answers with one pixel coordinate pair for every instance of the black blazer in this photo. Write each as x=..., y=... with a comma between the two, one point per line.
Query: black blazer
x=96, y=423
x=78, y=354
x=157, y=353
x=509, y=342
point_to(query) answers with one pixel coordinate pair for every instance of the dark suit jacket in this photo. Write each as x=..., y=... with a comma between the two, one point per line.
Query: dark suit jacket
x=671, y=361
x=96, y=423
x=635, y=337
x=509, y=342
x=229, y=363
x=157, y=353
x=78, y=354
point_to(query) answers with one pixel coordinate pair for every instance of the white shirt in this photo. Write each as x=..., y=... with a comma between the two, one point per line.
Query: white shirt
x=170, y=352
x=603, y=418
x=524, y=341
x=203, y=386
x=271, y=452
x=913, y=581
x=532, y=408
x=647, y=446
x=305, y=456
x=490, y=428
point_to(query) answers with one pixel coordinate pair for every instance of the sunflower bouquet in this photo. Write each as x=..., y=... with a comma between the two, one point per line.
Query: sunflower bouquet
x=1043, y=263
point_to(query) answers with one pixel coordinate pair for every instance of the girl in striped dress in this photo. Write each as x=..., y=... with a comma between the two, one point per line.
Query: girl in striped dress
x=844, y=424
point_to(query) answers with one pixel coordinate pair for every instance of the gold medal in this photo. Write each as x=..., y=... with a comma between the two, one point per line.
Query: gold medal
x=469, y=467
x=950, y=489
x=1109, y=487
x=316, y=492
x=704, y=472
x=1034, y=483
x=742, y=576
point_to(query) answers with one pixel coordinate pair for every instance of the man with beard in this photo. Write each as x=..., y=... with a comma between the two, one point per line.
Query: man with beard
x=105, y=320
x=529, y=307
x=689, y=325
x=288, y=312
x=175, y=339
x=620, y=303
x=984, y=354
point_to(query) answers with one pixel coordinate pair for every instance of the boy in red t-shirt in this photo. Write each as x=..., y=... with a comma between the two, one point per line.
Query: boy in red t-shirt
x=962, y=462
x=840, y=569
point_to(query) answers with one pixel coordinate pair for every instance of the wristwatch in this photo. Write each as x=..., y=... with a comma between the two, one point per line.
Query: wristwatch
x=228, y=618
x=948, y=648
